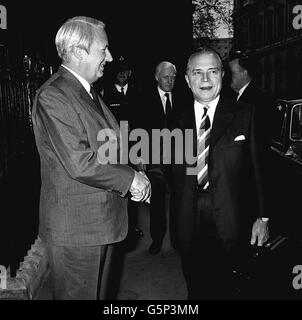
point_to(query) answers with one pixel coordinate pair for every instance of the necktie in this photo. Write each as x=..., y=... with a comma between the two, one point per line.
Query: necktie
x=95, y=99
x=168, y=107
x=122, y=91
x=203, y=137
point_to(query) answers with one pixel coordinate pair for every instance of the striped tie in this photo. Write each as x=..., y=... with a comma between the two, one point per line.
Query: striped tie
x=203, y=149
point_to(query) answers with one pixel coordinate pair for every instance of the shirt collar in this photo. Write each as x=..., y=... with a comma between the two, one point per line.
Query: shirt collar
x=198, y=107
x=240, y=92
x=162, y=93
x=84, y=82
x=118, y=87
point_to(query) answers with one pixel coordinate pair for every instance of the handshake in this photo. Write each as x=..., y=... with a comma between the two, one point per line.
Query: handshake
x=140, y=188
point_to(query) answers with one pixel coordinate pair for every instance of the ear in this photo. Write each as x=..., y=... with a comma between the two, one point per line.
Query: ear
x=79, y=53
x=246, y=74
x=222, y=73
x=187, y=80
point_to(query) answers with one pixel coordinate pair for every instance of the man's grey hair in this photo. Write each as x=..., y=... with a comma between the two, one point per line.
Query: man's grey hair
x=77, y=32
x=164, y=65
x=204, y=50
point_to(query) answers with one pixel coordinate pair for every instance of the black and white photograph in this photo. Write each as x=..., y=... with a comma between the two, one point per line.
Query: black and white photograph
x=151, y=151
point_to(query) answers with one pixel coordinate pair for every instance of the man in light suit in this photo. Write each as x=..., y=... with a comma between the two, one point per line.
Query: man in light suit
x=83, y=201
x=219, y=217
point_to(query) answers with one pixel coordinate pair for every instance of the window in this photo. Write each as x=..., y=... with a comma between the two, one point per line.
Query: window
x=296, y=123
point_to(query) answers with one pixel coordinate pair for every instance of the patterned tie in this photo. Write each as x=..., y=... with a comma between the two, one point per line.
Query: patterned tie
x=203, y=149
x=168, y=108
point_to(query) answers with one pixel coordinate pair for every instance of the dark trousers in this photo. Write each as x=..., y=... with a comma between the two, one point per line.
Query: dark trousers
x=80, y=273
x=158, y=219
x=132, y=214
x=206, y=266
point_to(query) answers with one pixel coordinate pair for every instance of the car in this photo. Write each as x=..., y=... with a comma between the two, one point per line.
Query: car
x=286, y=152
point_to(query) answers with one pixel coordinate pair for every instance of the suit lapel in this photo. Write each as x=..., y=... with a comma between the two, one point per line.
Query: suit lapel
x=86, y=97
x=107, y=119
x=248, y=93
x=160, y=105
x=186, y=120
x=223, y=116
x=78, y=87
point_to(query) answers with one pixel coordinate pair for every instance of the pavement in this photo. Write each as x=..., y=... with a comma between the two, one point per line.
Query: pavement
x=144, y=276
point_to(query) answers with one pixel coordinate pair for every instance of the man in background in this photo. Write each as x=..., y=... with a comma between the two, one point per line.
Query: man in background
x=244, y=71
x=159, y=111
x=122, y=97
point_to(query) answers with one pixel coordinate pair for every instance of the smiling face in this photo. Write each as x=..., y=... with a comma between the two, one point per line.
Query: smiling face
x=93, y=62
x=204, y=76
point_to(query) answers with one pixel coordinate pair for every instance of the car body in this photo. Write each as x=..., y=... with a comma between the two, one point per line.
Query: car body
x=286, y=160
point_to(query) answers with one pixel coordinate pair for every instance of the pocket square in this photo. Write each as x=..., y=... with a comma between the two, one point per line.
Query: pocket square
x=239, y=138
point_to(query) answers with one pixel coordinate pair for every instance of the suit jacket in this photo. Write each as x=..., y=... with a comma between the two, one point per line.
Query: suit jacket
x=153, y=111
x=154, y=117
x=235, y=175
x=82, y=202
x=124, y=107
x=266, y=115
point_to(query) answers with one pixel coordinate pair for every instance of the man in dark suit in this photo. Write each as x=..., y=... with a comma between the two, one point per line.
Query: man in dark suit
x=218, y=196
x=243, y=72
x=83, y=203
x=159, y=111
x=122, y=97
x=121, y=94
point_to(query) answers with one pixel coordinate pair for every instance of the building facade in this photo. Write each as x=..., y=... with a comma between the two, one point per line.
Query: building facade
x=271, y=30
x=223, y=46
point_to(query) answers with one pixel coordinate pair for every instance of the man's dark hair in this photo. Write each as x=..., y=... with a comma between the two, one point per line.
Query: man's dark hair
x=249, y=63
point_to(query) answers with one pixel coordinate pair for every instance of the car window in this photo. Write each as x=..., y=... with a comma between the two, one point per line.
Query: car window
x=296, y=123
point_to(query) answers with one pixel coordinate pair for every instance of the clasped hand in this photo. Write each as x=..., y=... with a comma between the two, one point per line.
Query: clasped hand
x=140, y=188
x=260, y=233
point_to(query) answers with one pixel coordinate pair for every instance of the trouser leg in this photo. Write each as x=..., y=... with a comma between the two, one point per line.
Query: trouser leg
x=158, y=211
x=79, y=273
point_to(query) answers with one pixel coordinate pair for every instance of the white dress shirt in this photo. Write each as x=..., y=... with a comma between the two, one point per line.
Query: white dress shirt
x=164, y=98
x=198, y=108
x=240, y=92
x=119, y=88
x=84, y=82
